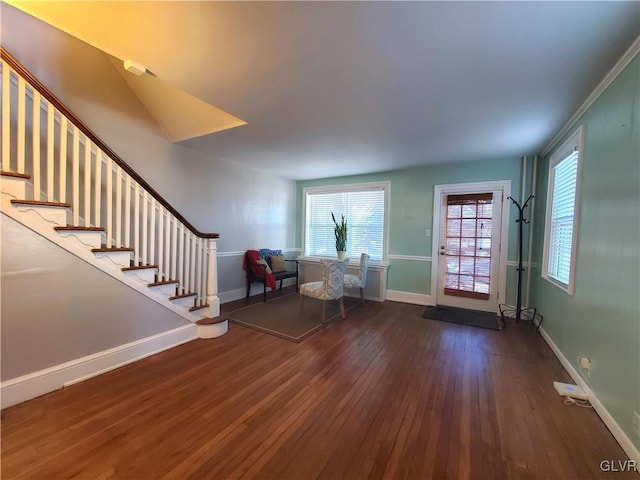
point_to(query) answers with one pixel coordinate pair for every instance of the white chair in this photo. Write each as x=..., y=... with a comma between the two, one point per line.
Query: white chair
x=331, y=287
x=360, y=280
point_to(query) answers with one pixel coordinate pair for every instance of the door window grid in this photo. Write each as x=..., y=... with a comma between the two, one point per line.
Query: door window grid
x=468, y=245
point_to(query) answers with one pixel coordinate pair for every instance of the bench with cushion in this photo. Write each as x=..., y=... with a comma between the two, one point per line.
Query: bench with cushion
x=267, y=267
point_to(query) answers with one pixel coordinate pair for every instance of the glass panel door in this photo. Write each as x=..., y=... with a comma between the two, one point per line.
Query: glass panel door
x=468, y=261
x=468, y=245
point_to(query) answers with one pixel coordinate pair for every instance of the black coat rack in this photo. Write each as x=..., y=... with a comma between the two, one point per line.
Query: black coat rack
x=519, y=313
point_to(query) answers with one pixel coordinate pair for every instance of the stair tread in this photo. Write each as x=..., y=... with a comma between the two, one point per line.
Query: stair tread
x=15, y=175
x=78, y=228
x=112, y=249
x=38, y=203
x=183, y=295
x=164, y=282
x=139, y=267
x=211, y=321
x=199, y=307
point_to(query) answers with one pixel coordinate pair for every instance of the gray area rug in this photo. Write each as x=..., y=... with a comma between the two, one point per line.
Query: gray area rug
x=462, y=316
x=283, y=317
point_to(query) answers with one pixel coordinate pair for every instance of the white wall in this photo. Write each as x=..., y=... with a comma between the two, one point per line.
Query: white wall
x=248, y=208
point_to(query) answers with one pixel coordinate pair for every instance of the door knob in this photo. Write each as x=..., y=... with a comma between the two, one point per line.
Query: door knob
x=443, y=252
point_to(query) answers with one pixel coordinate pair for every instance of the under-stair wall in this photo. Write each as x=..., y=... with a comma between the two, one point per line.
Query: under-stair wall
x=64, y=320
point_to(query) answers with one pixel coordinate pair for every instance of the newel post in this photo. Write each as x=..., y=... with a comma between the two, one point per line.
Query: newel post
x=212, y=280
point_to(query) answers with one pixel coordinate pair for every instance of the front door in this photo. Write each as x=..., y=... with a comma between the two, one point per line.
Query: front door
x=468, y=262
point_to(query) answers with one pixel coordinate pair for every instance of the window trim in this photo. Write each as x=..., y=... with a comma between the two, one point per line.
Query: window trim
x=350, y=187
x=575, y=142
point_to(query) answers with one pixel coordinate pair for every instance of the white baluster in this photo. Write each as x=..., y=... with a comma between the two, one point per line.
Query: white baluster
x=145, y=220
x=109, y=199
x=22, y=98
x=161, y=273
x=152, y=232
x=200, y=276
x=180, y=255
x=75, y=176
x=136, y=223
x=204, y=264
x=187, y=260
x=87, y=182
x=192, y=279
x=6, y=117
x=50, y=149
x=212, y=280
x=174, y=249
x=167, y=247
x=35, y=146
x=97, y=214
x=127, y=211
x=62, y=194
x=118, y=206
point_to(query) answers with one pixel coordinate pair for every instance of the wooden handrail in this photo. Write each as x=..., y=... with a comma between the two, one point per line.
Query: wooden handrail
x=46, y=93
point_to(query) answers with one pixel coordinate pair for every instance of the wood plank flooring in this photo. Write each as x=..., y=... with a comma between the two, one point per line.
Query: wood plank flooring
x=383, y=394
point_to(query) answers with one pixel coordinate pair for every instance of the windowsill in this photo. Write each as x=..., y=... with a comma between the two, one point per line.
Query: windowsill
x=568, y=289
x=373, y=265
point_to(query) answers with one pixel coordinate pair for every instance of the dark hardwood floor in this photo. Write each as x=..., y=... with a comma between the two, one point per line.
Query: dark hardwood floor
x=382, y=394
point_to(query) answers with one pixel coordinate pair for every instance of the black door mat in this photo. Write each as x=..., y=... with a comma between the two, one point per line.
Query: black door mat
x=462, y=316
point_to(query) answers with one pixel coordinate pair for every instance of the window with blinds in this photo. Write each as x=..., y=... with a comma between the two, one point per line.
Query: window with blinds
x=364, y=207
x=562, y=214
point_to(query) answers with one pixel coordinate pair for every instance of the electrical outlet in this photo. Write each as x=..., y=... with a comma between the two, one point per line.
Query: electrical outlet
x=636, y=423
x=585, y=364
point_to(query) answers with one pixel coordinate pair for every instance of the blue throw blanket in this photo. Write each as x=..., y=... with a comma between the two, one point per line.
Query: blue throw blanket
x=265, y=252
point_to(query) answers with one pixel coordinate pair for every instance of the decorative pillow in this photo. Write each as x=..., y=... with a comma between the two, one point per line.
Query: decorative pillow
x=262, y=261
x=277, y=263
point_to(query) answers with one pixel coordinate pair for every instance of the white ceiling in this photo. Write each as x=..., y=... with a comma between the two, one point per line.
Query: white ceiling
x=332, y=88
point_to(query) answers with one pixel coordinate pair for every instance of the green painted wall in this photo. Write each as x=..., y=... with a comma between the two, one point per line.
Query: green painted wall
x=411, y=211
x=409, y=276
x=602, y=319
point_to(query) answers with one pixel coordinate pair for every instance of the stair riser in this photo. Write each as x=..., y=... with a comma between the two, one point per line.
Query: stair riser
x=119, y=259
x=146, y=276
x=198, y=314
x=14, y=187
x=53, y=216
x=88, y=239
x=168, y=290
x=186, y=302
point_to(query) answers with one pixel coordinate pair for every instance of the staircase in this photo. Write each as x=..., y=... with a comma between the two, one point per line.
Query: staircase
x=60, y=180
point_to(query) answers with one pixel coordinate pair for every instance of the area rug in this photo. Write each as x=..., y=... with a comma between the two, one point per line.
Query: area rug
x=283, y=318
x=462, y=316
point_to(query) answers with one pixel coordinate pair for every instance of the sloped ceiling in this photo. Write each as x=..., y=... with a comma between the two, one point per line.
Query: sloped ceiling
x=181, y=116
x=338, y=88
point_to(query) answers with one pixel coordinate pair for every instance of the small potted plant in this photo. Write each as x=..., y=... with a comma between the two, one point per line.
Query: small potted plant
x=340, y=231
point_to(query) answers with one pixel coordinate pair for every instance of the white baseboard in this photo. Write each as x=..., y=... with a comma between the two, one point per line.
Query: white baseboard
x=44, y=381
x=231, y=295
x=256, y=289
x=617, y=432
x=409, y=297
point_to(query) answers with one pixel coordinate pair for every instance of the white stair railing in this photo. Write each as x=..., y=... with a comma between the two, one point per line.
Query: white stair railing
x=67, y=164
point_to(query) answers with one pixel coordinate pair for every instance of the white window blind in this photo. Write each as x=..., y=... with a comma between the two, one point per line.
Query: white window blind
x=565, y=177
x=562, y=214
x=364, y=210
